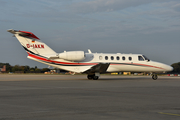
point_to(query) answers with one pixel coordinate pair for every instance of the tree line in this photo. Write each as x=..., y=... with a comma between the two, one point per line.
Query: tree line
x=176, y=67
x=23, y=69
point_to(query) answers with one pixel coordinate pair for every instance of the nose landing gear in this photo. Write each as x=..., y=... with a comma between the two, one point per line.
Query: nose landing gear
x=154, y=77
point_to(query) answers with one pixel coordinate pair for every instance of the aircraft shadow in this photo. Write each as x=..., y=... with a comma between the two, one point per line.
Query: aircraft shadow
x=124, y=78
x=139, y=78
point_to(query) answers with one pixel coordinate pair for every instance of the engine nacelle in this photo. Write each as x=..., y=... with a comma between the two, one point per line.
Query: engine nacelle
x=72, y=55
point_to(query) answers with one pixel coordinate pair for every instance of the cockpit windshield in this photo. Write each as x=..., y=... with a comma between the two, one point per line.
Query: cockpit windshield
x=140, y=58
x=146, y=58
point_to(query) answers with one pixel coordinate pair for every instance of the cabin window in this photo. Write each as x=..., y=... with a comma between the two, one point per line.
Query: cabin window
x=106, y=57
x=140, y=58
x=123, y=58
x=117, y=57
x=130, y=58
x=100, y=57
x=112, y=58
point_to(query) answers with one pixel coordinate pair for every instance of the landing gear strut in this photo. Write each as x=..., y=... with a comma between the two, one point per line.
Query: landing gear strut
x=154, y=77
x=94, y=77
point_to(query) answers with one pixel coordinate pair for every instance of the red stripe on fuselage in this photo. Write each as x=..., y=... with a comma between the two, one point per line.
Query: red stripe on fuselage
x=139, y=65
x=148, y=65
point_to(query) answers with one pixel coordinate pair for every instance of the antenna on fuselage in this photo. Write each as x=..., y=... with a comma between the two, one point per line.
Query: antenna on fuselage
x=89, y=51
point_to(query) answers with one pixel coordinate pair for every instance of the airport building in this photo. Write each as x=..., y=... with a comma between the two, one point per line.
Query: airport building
x=2, y=69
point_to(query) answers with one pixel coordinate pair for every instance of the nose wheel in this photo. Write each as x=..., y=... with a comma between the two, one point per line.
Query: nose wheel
x=154, y=77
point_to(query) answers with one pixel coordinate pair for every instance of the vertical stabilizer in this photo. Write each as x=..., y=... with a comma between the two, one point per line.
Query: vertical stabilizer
x=32, y=44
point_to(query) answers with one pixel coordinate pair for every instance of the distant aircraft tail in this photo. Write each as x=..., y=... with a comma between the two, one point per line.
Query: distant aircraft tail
x=32, y=44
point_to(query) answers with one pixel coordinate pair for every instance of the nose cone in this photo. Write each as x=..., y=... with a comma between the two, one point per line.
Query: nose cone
x=168, y=68
x=161, y=67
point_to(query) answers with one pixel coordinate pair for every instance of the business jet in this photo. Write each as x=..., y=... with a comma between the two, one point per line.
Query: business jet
x=92, y=64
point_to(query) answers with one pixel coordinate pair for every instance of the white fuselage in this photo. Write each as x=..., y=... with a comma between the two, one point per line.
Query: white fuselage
x=118, y=62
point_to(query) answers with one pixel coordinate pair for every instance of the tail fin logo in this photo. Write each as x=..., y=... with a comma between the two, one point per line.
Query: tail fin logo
x=35, y=46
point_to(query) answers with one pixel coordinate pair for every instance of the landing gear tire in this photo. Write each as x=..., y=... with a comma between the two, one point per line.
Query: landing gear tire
x=95, y=77
x=154, y=77
x=90, y=77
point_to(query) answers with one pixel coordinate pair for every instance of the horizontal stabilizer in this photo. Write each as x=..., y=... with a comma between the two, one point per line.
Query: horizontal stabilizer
x=23, y=33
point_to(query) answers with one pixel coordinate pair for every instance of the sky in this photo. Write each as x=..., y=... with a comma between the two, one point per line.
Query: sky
x=149, y=27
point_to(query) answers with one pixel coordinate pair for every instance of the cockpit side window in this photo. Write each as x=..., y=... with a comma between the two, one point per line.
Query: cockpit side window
x=146, y=58
x=140, y=58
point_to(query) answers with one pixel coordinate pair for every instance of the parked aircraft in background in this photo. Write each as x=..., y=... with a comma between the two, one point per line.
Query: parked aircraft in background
x=93, y=64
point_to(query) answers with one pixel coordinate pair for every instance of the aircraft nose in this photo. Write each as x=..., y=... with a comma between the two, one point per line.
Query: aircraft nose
x=168, y=68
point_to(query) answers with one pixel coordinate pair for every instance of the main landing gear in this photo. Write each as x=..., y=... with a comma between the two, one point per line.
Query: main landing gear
x=154, y=77
x=94, y=77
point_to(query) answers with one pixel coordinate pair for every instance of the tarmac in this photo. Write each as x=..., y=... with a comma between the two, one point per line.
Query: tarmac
x=73, y=97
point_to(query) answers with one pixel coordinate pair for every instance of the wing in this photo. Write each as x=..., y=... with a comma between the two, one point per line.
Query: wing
x=100, y=68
